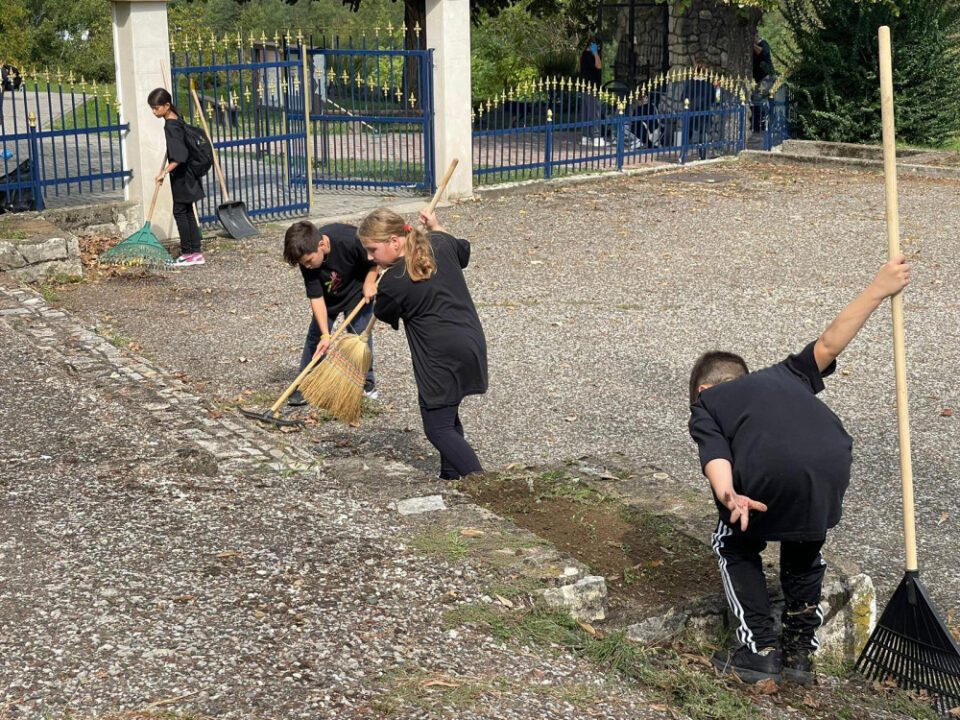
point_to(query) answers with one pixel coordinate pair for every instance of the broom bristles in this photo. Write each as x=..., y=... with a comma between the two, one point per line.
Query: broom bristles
x=336, y=385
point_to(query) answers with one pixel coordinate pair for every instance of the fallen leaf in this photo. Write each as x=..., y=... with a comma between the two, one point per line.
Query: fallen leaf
x=947, y=412
x=954, y=712
x=766, y=687
x=590, y=629
x=504, y=601
x=215, y=414
x=656, y=563
x=809, y=701
x=441, y=683
x=472, y=532
x=943, y=518
x=228, y=553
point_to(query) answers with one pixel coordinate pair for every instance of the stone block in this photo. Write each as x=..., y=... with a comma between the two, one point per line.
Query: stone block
x=417, y=505
x=44, y=251
x=585, y=600
x=39, y=272
x=10, y=257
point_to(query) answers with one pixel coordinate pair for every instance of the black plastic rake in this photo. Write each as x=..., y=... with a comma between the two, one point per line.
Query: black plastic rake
x=911, y=644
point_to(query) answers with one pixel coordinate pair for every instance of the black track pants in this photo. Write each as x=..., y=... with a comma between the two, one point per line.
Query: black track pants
x=801, y=577
x=445, y=432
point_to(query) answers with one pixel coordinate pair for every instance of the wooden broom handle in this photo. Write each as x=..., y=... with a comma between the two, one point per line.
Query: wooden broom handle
x=896, y=302
x=306, y=371
x=213, y=150
x=442, y=186
x=156, y=192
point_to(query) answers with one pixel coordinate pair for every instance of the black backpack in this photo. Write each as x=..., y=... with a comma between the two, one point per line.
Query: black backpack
x=199, y=149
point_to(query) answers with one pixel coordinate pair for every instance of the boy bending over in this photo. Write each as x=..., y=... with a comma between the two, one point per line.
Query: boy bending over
x=778, y=461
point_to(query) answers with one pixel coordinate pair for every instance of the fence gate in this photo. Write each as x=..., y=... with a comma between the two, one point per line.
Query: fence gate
x=253, y=96
x=287, y=117
x=371, y=113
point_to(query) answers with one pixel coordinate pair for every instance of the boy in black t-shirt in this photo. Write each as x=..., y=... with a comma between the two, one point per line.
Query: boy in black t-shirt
x=778, y=461
x=336, y=275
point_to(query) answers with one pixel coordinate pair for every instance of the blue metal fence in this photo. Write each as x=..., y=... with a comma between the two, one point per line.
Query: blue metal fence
x=252, y=95
x=561, y=126
x=771, y=117
x=287, y=115
x=60, y=139
x=372, y=114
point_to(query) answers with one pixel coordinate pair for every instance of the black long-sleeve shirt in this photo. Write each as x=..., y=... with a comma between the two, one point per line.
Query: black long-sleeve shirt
x=184, y=185
x=787, y=448
x=447, y=344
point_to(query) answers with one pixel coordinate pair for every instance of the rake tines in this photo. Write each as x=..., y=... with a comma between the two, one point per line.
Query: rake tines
x=912, y=646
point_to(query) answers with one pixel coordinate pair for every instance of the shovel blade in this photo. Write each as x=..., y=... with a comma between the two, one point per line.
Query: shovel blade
x=233, y=217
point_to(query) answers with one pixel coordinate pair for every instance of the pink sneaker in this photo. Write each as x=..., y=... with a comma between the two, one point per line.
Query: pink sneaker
x=188, y=260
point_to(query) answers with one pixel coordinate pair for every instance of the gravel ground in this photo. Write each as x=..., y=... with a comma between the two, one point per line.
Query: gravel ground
x=597, y=298
x=129, y=584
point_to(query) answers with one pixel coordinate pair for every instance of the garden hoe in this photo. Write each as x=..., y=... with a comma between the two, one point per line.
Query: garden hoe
x=231, y=213
x=911, y=644
x=272, y=415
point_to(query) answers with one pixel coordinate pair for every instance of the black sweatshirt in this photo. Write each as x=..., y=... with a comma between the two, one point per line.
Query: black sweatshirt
x=339, y=281
x=788, y=449
x=184, y=185
x=447, y=344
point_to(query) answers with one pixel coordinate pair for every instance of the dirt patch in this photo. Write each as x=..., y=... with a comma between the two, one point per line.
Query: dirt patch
x=643, y=557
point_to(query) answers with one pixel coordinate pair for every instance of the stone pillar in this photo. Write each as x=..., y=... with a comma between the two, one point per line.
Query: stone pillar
x=448, y=31
x=141, y=54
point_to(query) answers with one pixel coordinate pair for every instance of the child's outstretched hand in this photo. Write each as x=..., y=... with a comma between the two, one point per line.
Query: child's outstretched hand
x=893, y=277
x=740, y=507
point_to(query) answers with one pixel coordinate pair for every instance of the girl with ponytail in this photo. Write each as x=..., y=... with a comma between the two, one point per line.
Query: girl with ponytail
x=423, y=285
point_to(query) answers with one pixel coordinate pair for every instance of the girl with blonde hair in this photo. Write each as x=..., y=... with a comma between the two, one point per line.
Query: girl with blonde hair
x=423, y=285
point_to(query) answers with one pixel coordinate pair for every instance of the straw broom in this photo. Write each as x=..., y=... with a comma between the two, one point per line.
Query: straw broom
x=337, y=384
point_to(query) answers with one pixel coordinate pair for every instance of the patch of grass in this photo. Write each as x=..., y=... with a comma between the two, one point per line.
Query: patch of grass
x=120, y=341
x=695, y=694
x=408, y=688
x=49, y=293
x=450, y=545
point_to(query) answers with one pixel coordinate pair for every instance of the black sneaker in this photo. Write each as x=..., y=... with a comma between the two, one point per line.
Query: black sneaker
x=749, y=666
x=297, y=399
x=798, y=667
x=370, y=389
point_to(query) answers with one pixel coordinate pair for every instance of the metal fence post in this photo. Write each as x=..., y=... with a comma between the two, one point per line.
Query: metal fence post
x=684, y=130
x=35, y=167
x=620, y=129
x=307, y=102
x=548, y=147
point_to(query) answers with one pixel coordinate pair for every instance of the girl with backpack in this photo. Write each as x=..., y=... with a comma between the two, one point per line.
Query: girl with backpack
x=184, y=184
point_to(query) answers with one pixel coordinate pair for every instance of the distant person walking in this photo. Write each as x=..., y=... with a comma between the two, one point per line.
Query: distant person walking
x=764, y=74
x=591, y=68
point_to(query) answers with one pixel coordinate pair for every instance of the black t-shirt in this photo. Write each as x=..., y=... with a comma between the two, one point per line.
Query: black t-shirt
x=588, y=68
x=788, y=449
x=184, y=185
x=339, y=281
x=447, y=344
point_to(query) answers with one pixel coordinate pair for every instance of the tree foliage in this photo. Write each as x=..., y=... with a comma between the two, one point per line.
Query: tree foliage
x=834, y=54
x=75, y=35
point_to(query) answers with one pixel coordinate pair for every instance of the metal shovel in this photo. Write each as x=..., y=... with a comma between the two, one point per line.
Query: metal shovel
x=231, y=213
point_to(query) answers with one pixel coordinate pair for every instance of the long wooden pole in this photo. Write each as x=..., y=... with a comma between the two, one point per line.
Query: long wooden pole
x=896, y=302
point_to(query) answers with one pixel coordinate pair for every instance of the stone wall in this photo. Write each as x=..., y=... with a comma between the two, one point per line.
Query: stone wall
x=34, y=250
x=705, y=34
